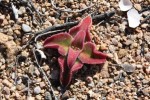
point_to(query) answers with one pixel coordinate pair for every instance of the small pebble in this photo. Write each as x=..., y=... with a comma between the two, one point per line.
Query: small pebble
x=122, y=53
x=72, y=99
x=22, y=10
x=48, y=96
x=138, y=7
x=2, y=66
x=128, y=42
x=148, y=70
x=7, y=97
x=144, y=25
x=91, y=84
x=112, y=48
x=114, y=41
x=46, y=67
x=128, y=68
x=91, y=93
x=38, y=97
x=42, y=84
x=26, y=28
x=3, y=38
x=20, y=87
x=30, y=98
x=139, y=66
x=7, y=90
x=7, y=83
x=144, y=81
x=37, y=90
x=103, y=47
x=147, y=57
x=5, y=22
x=146, y=91
x=17, y=95
x=31, y=70
x=99, y=84
x=36, y=71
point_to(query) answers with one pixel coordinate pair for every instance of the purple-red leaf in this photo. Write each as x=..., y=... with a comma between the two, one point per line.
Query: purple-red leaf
x=78, y=40
x=72, y=56
x=60, y=41
x=84, y=25
x=66, y=72
x=76, y=47
x=77, y=65
x=63, y=67
x=90, y=55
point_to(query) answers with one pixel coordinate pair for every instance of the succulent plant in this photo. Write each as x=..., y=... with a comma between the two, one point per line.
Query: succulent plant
x=76, y=49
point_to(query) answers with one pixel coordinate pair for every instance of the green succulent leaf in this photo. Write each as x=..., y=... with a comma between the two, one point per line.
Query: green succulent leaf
x=90, y=55
x=72, y=56
x=78, y=40
x=84, y=25
x=66, y=73
x=60, y=41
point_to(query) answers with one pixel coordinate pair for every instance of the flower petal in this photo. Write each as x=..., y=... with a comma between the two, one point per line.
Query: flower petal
x=90, y=55
x=67, y=73
x=84, y=25
x=59, y=41
x=125, y=5
x=133, y=18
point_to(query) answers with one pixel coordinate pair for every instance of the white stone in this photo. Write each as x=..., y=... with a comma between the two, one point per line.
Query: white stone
x=22, y=10
x=125, y=5
x=15, y=11
x=37, y=90
x=133, y=18
x=26, y=28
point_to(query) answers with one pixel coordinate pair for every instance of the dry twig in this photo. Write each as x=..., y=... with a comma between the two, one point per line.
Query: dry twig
x=50, y=32
x=16, y=66
x=71, y=24
x=45, y=76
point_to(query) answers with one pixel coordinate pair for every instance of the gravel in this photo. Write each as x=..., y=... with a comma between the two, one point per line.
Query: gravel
x=125, y=75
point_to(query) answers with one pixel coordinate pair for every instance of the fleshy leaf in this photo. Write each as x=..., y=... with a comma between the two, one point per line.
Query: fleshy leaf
x=60, y=41
x=72, y=56
x=66, y=73
x=63, y=66
x=84, y=25
x=76, y=47
x=77, y=65
x=78, y=41
x=90, y=55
